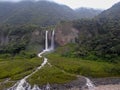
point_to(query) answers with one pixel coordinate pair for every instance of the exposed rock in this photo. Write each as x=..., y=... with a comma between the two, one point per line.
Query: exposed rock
x=65, y=33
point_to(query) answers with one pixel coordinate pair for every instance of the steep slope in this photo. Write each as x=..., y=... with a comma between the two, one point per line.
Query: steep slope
x=65, y=33
x=97, y=38
x=14, y=39
x=87, y=12
x=42, y=12
x=6, y=10
x=110, y=19
x=111, y=13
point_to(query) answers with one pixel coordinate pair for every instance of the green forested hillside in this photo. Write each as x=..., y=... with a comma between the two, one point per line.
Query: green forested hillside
x=87, y=12
x=41, y=13
x=94, y=38
x=98, y=38
x=14, y=39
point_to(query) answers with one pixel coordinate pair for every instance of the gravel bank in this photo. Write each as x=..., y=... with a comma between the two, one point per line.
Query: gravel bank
x=108, y=87
x=106, y=81
x=80, y=84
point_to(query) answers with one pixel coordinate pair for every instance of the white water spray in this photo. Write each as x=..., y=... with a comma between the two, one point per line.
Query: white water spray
x=52, y=40
x=89, y=84
x=46, y=40
x=23, y=84
x=46, y=44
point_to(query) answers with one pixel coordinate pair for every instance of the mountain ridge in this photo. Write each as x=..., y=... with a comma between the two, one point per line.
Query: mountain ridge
x=41, y=13
x=87, y=12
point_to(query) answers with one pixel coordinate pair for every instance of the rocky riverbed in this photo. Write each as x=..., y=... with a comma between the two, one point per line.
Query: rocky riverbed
x=106, y=83
x=80, y=84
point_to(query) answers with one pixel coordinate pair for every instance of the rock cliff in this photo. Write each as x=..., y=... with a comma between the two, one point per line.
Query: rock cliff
x=65, y=33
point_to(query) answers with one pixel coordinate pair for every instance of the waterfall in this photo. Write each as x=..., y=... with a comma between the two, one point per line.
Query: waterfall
x=52, y=40
x=46, y=40
x=23, y=84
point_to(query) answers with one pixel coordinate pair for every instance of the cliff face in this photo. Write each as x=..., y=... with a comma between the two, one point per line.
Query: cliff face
x=21, y=38
x=65, y=33
x=75, y=31
x=14, y=39
x=33, y=37
x=3, y=39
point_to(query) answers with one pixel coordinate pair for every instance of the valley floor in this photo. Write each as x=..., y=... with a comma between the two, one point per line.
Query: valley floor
x=80, y=84
x=107, y=83
x=61, y=73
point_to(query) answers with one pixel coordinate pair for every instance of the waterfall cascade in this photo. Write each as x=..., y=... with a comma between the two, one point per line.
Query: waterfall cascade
x=47, y=48
x=23, y=84
x=52, y=40
x=46, y=41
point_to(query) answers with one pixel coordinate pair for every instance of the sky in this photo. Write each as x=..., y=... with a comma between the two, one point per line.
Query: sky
x=97, y=4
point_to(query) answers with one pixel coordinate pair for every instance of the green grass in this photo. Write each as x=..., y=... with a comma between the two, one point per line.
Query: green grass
x=50, y=75
x=18, y=68
x=6, y=85
x=88, y=68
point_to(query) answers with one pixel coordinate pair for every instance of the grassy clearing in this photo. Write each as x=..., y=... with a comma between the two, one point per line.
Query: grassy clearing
x=18, y=68
x=85, y=67
x=52, y=75
x=6, y=85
